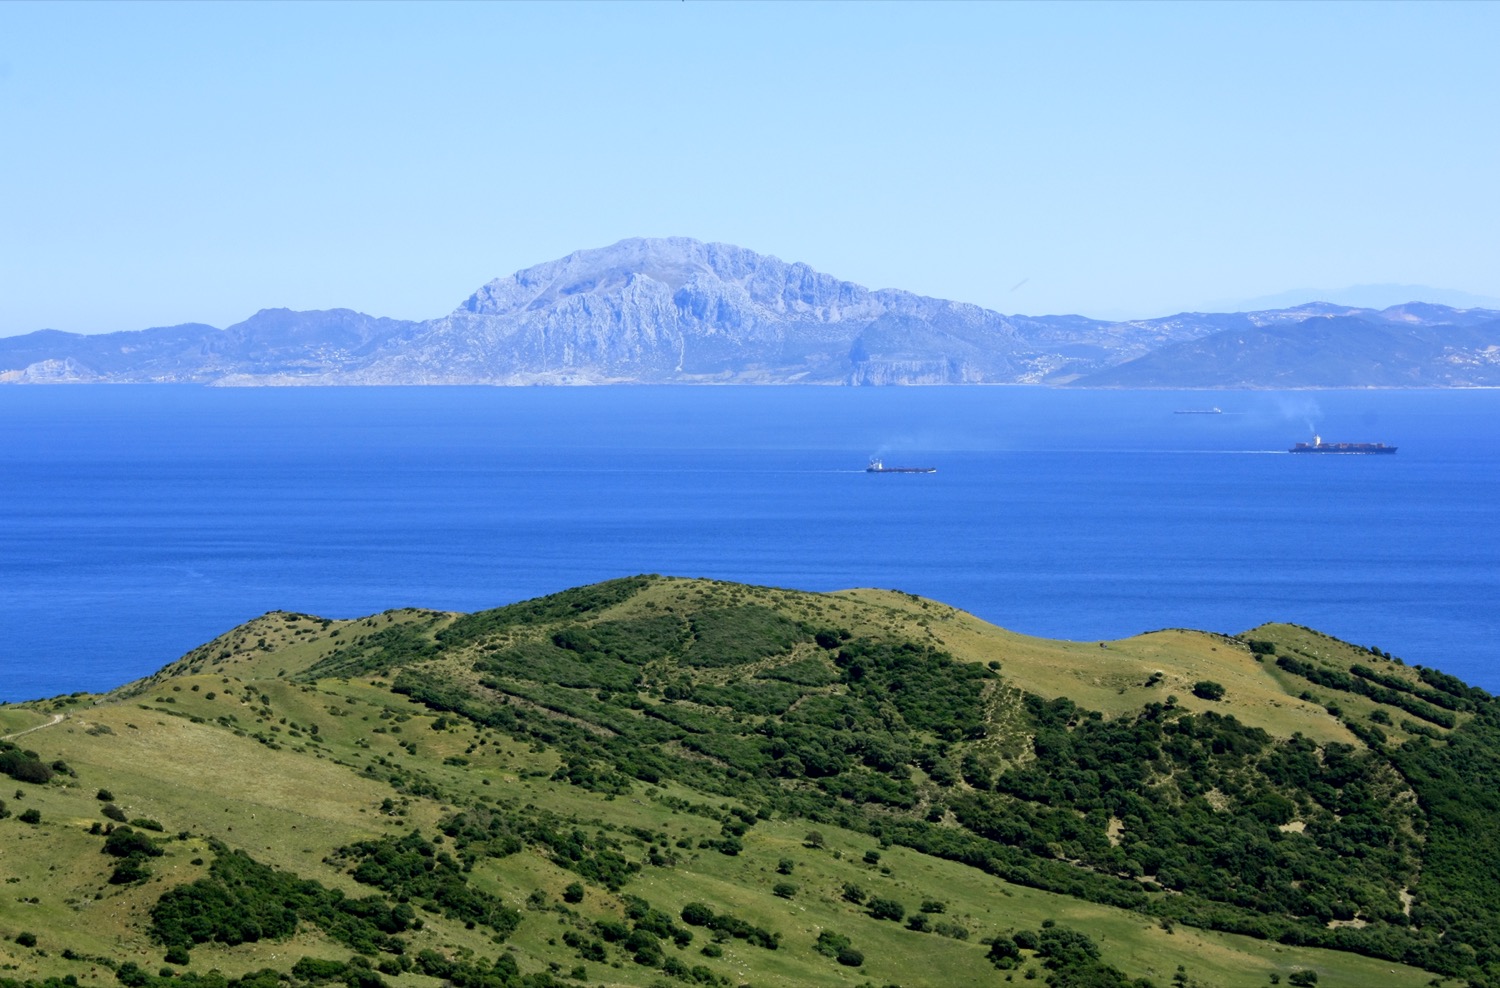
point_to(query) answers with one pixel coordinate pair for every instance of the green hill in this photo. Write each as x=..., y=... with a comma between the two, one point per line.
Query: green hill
x=687, y=782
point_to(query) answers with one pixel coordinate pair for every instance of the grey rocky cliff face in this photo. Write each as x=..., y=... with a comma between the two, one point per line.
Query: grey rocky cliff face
x=676, y=310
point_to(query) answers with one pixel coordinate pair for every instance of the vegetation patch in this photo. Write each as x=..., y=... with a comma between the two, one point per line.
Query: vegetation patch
x=243, y=901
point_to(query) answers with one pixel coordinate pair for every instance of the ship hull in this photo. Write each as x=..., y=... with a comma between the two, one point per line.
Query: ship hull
x=1359, y=449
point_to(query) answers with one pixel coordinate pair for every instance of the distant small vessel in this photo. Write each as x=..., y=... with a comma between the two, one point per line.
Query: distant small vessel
x=1319, y=446
x=1216, y=410
x=876, y=466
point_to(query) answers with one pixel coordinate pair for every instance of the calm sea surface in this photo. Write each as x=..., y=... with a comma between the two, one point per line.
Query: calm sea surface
x=138, y=522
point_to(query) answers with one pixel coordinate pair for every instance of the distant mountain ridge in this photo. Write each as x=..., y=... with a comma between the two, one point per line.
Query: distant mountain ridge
x=680, y=311
x=1363, y=297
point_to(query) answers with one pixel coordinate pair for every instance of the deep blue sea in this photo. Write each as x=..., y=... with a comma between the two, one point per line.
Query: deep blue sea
x=137, y=522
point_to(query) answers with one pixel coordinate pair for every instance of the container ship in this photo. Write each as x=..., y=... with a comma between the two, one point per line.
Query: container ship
x=1319, y=446
x=876, y=466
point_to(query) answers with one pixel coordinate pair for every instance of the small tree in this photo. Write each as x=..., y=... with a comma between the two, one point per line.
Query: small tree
x=697, y=914
x=1207, y=689
x=129, y=871
x=830, y=943
x=1004, y=953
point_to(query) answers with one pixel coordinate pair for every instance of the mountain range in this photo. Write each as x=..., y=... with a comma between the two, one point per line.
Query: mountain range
x=679, y=311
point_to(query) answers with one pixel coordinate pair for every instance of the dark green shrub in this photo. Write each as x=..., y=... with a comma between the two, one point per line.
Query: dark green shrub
x=830, y=943
x=697, y=914
x=1207, y=689
x=131, y=975
x=315, y=970
x=125, y=842
x=129, y=871
x=23, y=766
x=1064, y=947
x=612, y=930
x=26, y=939
x=849, y=957
x=881, y=908
x=1004, y=953
x=32, y=816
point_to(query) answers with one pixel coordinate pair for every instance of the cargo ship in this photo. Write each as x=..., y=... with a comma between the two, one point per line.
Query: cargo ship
x=1319, y=446
x=1216, y=410
x=876, y=466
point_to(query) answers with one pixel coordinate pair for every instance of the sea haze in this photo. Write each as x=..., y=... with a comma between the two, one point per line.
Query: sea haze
x=140, y=521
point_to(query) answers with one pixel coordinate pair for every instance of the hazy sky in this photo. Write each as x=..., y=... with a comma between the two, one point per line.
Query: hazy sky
x=178, y=162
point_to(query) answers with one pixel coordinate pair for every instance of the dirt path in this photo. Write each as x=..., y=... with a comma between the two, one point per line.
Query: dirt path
x=56, y=719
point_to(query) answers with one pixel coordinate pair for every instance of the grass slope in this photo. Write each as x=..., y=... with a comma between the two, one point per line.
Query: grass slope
x=619, y=742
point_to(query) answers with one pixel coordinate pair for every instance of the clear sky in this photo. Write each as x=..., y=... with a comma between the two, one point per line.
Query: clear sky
x=166, y=163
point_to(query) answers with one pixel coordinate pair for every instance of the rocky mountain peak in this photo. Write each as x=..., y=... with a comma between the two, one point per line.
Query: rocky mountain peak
x=676, y=264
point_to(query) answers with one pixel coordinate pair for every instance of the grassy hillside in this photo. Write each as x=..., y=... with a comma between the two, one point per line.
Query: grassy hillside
x=666, y=781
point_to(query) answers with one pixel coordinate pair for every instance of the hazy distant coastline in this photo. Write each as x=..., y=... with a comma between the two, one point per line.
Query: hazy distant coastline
x=680, y=311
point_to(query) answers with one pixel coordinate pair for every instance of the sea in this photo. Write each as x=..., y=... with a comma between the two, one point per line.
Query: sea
x=137, y=522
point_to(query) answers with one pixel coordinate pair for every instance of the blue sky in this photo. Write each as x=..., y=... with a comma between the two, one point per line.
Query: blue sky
x=165, y=163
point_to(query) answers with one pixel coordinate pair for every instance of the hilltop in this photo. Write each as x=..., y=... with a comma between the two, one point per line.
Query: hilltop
x=661, y=780
x=680, y=311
